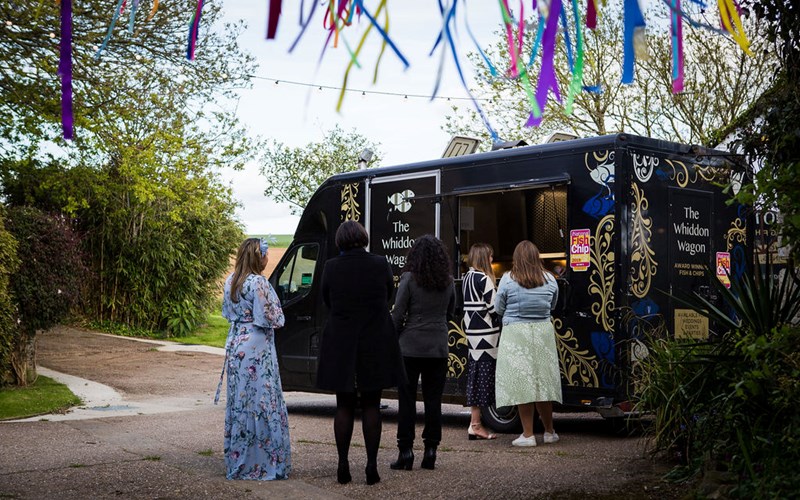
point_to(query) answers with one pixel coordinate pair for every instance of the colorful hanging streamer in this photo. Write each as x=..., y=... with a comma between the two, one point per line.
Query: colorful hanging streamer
x=152, y=11
x=547, y=74
x=445, y=36
x=65, y=70
x=677, y=47
x=591, y=14
x=194, y=29
x=633, y=28
x=577, y=70
x=117, y=12
x=274, y=17
x=729, y=13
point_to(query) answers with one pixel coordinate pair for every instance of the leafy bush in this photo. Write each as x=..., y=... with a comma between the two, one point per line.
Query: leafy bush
x=48, y=282
x=729, y=403
x=157, y=239
x=8, y=264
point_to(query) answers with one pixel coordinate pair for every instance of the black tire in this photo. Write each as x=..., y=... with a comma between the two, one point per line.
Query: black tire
x=504, y=419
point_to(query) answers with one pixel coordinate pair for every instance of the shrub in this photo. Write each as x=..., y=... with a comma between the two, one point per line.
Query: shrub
x=8, y=264
x=48, y=281
x=729, y=403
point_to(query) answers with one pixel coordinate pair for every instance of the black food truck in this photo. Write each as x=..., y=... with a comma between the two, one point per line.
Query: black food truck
x=619, y=218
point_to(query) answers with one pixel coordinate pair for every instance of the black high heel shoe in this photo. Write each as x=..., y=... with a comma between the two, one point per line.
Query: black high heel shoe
x=405, y=460
x=429, y=459
x=343, y=473
x=372, y=474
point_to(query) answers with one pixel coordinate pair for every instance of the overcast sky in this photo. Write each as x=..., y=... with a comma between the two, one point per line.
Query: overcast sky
x=408, y=129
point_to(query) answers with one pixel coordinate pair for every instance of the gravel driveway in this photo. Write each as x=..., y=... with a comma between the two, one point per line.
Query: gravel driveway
x=178, y=453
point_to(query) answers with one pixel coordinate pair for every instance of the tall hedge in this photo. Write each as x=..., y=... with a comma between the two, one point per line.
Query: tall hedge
x=8, y=264
x=47, y=283
x=157, y=240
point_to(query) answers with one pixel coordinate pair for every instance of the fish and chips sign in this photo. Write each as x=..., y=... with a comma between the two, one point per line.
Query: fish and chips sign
x=579, y=249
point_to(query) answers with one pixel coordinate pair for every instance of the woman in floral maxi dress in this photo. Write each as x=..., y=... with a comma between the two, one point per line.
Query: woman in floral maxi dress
x=257, y=442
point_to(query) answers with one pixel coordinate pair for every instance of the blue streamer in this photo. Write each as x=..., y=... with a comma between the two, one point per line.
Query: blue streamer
x=633, y=19
x=567, y=40
x=360, y=4
x=134, y=7
x=538, y=41
x=110, y=29
x=492, y=69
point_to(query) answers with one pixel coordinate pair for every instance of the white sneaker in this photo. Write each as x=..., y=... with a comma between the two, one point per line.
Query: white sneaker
x=550, y=438
x=524, y=441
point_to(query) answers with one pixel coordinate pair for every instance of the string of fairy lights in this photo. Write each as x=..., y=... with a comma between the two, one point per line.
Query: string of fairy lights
x=365, y=92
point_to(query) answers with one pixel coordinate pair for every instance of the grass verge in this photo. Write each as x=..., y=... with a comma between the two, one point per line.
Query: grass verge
x=44, y=396
x=213, y=333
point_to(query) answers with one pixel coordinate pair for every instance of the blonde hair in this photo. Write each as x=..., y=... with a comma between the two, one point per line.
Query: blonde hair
x=249, y=260
x=527, y=268
x=480, y=257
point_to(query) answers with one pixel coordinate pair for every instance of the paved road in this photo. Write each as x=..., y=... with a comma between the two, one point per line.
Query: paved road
x=158, y=435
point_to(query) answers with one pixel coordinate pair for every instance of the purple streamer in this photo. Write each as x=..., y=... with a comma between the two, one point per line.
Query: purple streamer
x=65, y=70
x=547, y=74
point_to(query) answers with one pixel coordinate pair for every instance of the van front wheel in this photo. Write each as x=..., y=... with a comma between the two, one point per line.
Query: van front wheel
x=504, y=419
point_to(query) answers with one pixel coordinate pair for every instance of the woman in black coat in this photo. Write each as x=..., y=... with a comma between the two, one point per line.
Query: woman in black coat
x=360, y=354
x=425, y=300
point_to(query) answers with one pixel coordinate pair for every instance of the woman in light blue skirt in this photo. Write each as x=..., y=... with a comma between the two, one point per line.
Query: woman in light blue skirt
x=527, y=372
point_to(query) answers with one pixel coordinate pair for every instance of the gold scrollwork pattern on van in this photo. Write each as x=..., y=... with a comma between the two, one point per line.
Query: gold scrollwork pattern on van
x=600, y=158
x=602, y=277
x=643, y=264
x=456, y=337
x=578, y=367
x=682, y=175
x=735, y=234
x=351, y=210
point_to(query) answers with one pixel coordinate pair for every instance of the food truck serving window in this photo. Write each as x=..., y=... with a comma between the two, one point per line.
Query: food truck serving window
x=503, y=219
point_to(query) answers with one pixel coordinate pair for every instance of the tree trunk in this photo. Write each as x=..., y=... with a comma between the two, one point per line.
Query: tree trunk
x=23, y=360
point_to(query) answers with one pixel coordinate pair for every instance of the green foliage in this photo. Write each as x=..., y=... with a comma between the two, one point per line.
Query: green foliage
x=730, y=403
x=42, y=397
x=47, y=284
x=8, y=330
x=293, y=174
x=52, y=273
x=140, y=180
x=140, y=93
x=769, y=132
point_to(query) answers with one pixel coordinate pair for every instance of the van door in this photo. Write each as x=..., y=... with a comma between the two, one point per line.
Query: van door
x=401, y=208
x=296, y=283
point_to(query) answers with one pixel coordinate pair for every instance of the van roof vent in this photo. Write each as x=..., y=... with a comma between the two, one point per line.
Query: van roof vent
x=508, y=144
x=461, y=145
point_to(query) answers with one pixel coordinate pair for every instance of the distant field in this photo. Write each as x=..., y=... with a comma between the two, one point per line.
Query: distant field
x=275, y=240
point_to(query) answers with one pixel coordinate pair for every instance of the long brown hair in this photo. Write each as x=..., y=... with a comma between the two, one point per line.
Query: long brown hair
x=248, y=261
x=480, y=257
x=527, y=268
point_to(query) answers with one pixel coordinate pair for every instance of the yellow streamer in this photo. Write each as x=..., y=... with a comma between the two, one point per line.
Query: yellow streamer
x=355, y=56
x=727, y=11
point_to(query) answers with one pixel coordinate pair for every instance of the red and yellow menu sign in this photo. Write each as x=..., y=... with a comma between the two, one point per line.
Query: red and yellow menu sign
x=724, y=268
x=579, y=245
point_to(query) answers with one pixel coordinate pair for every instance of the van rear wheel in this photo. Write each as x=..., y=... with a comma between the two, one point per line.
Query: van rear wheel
x=504, y=419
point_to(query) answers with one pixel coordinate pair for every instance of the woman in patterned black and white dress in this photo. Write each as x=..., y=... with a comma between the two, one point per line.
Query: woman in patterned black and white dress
x=482, y=327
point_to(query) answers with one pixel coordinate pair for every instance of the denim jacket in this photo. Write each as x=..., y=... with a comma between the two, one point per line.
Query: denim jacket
x=517, y=304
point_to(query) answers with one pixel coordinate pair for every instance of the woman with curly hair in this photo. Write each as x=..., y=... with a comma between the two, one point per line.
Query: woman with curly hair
x=425, y=299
